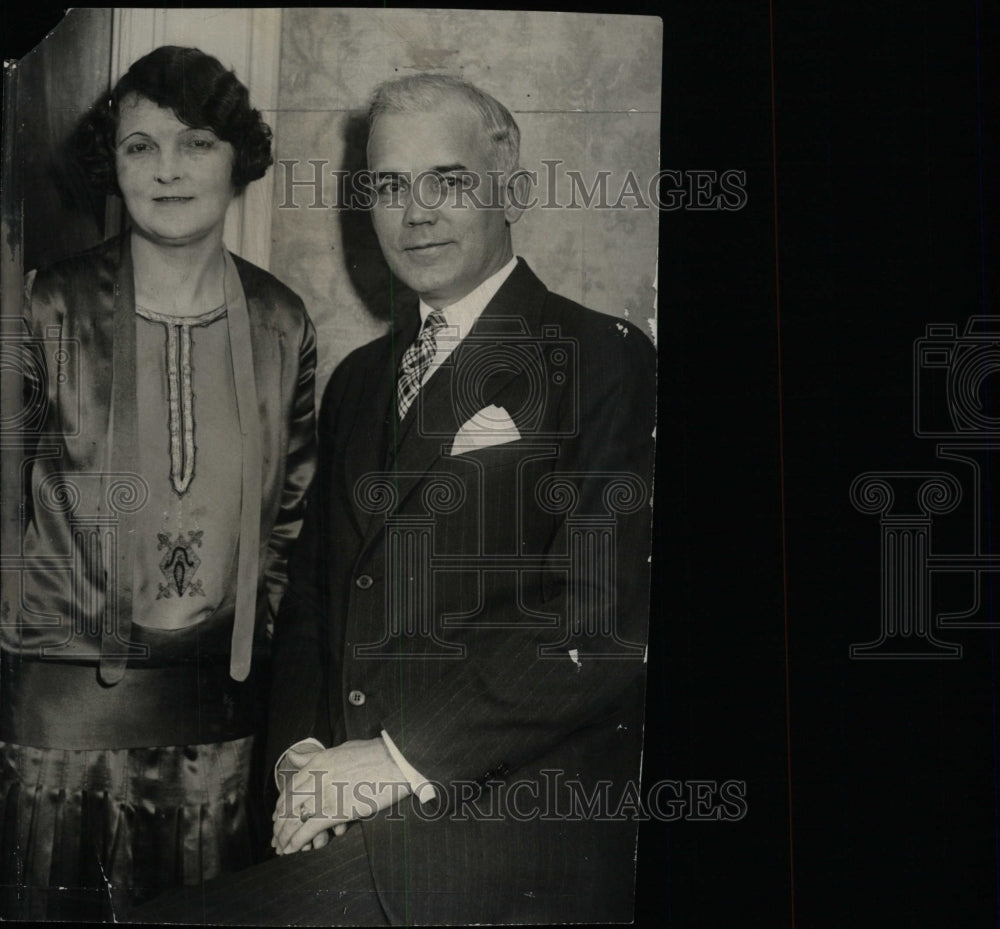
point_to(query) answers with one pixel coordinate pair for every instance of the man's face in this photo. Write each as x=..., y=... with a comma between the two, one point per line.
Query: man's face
x=439, y=242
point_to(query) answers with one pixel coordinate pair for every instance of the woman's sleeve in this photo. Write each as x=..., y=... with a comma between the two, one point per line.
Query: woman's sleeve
x=23, y=402
x=33, y=393
x=300, y=464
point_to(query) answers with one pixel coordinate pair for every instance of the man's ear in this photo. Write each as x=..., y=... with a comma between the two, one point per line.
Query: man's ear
x=516, y=192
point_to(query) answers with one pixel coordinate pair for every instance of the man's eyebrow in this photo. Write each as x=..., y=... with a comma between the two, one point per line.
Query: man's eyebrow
x=380, y=176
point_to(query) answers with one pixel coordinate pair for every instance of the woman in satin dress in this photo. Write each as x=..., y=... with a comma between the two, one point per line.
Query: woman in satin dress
x=164, y=476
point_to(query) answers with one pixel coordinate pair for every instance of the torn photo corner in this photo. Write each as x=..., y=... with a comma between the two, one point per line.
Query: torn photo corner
x=414, y=649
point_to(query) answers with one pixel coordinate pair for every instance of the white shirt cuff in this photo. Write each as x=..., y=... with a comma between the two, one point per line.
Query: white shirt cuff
x=422, y=788
x=302, y=743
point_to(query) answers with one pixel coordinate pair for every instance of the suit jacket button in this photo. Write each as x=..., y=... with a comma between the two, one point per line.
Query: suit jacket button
x=364, y=581
x=356, y=698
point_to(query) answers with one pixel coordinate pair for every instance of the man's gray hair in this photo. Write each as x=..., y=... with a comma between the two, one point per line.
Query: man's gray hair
x=421, y=93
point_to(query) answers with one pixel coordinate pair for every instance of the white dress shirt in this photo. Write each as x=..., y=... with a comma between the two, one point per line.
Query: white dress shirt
x=460, y=316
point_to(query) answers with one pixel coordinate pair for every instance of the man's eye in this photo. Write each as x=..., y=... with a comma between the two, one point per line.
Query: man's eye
x=462, y=181
x=389, y=187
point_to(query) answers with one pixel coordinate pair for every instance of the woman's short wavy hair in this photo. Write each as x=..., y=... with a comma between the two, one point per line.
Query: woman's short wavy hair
x=201, y=93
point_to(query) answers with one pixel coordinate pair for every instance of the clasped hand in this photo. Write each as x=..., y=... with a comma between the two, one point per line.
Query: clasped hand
x=322, y=790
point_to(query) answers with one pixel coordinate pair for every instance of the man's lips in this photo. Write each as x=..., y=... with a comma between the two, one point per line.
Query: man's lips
x=425, y=248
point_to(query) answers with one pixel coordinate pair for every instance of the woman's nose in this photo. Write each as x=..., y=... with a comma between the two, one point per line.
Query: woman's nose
x=167, y=166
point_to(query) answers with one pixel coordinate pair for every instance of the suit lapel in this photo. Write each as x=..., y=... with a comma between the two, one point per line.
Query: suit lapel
x=372, y=398
x=426, y=432
x=476, y=372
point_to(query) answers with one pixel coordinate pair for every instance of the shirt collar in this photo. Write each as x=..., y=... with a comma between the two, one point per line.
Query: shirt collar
x=462, y=314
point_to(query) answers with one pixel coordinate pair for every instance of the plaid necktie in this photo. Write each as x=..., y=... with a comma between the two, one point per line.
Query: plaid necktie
x=416, y=360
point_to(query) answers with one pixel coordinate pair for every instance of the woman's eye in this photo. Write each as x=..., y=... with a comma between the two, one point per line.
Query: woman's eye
x=136, y=148
x=202, y=144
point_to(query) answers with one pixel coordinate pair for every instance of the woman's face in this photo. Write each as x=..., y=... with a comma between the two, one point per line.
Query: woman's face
x=176, y=181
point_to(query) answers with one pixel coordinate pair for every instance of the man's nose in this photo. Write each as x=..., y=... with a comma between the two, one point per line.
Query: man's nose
x=418, y=213
x=424, y=202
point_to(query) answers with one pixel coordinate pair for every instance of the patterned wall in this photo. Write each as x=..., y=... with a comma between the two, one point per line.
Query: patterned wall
x=585, y=91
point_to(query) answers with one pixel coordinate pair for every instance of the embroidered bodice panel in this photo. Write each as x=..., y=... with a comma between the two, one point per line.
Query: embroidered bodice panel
x=189, y=454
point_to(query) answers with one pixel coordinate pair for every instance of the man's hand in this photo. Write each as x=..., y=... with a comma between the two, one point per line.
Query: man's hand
x=332, y=787
x=290, y=762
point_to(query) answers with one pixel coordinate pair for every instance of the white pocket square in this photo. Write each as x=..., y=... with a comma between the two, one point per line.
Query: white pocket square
x=492, y=425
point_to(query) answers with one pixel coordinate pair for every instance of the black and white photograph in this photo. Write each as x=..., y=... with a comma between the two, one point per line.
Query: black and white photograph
x=328, y=526
x=501, y=467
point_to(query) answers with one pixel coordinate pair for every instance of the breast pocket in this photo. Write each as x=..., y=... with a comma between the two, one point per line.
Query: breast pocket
x=505, y=455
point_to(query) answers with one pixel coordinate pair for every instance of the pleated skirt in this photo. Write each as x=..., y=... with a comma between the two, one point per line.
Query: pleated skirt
x=87, y=835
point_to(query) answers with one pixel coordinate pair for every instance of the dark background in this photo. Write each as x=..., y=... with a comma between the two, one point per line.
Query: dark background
x=871, y=141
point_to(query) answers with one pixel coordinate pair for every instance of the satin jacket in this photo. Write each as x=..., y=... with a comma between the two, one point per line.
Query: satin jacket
x=78, y=476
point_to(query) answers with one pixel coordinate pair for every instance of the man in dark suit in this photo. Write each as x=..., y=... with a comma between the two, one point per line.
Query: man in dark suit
x=468, y=599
